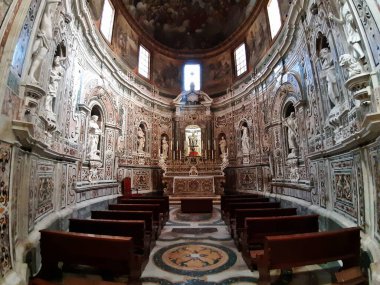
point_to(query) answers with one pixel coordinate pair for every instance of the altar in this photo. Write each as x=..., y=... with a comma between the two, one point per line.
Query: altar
x=193, y=186
x=192, y=161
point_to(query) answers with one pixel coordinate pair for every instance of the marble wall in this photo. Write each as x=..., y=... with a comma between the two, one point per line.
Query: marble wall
x=303, y=126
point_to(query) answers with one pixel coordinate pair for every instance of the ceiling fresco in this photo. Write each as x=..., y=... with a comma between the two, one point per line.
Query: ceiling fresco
x=191, y=24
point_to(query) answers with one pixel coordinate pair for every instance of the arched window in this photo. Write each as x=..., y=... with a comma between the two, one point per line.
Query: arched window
x=274, y=16
x=144, y=62
x=192, y=77
x=108, y=16
x=240, y=60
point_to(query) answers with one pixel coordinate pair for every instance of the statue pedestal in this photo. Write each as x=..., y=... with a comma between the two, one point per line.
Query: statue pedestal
x=359, y=85
x=141, y=157
x=246, y=159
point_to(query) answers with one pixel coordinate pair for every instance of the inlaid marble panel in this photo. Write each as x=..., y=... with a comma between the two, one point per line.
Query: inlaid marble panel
x=5, y=167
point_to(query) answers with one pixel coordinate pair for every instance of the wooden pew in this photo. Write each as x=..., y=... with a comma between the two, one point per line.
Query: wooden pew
x=225, y=200
x=154, y=208
x=242, y=214
x=286, y=251
x=230, y=215
x=164, y=204
x=256, y=229
x=131, y=228
x=108, y=254
x=146, y=216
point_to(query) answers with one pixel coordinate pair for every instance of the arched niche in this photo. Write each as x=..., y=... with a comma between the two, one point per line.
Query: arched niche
x=142, y=138
x=164, y=145
x=291, y=139
x=193, y=140
x=222, y=144
x=95, y=131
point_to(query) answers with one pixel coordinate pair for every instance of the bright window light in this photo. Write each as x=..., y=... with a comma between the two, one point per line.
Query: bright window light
x=106, y=23
x=192, y=75
x=274, y=16
x=144, y=62
x=240, y=60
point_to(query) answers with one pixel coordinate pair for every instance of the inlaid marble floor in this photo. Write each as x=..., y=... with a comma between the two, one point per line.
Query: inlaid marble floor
x=197, y=249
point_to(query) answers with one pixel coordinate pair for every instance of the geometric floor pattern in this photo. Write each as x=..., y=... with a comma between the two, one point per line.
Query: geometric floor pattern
x=197, y=249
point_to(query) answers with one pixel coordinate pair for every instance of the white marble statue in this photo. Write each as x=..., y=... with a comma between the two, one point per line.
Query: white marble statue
x=165, y=148
x=94, y=133
x=244, y=140
x=351, y=64
x=54, y=79
x=140, y=140
x=44, y=36
x=352, y=35
x=291, y=124
x=223, y=146
x=328, y=67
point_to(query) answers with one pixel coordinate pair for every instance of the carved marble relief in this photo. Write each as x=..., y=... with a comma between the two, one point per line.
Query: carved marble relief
x=5, y=168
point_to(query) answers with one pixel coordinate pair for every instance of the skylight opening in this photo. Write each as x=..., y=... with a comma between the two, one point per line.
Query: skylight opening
x=144, y=62
x=106, y=24
x=274, y=16
x=192, y=76
x=240, y=60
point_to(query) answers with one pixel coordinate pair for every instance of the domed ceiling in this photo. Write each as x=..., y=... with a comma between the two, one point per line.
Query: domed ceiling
x=190, y=24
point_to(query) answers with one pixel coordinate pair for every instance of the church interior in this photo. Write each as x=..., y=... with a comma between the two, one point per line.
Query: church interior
x=192, y=142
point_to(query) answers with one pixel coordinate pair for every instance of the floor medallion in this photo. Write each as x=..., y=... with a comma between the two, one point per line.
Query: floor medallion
x=194, y=258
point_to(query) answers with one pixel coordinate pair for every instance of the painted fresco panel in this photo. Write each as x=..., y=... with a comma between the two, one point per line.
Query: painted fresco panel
x=5, y=167
x=125, y=41
x=167, y=73
x=257, y=44
x=216, y=73
x=45, y=189
x=141, y=179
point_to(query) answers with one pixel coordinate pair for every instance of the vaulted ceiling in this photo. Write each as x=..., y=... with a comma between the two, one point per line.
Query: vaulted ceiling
x=191, y=24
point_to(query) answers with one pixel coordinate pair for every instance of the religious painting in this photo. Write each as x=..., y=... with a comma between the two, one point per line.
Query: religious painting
x=258, y=39
x=217, y=72
x=125, y=41
x=189, y=25
x=167, y=73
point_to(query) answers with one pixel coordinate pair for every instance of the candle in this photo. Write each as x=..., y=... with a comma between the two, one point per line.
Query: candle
x=177, y=145
x=212, y=154
x=180, y=155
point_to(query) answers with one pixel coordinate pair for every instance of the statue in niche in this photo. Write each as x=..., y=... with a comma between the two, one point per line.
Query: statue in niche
x=328, y=67
x=165, y=147
x=94, y=133
x=291, y=124
x=193, y=142
x=244, y=140
x=140, y=140
x=352, y=35
x=55, y=76
x=351, y=64
x=223, y=146
x=44, y=36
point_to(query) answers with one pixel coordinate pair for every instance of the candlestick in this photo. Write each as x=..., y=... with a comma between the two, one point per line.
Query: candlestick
x=212, y=154
x=180, y=155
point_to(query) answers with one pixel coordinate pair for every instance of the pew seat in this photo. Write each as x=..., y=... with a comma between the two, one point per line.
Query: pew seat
x=287, y=251
x=107, y=254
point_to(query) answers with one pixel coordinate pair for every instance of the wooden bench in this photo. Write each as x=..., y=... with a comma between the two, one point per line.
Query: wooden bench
x=232, y=207
x=154, y=208
x=224, y=198
x=196, y=205
x=242, y=214
x=131, y=228
x=164, y=204
x=108, y=254
x=146, y=216
x=225, y=207
x=256, y=229
x=287, y=251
